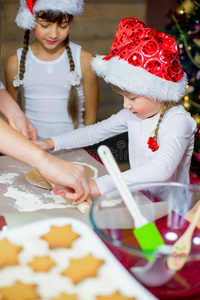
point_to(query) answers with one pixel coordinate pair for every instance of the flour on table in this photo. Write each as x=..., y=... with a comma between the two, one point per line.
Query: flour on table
x=31, y=202
x=27, y=202
x=112, y=202
x=8, y=177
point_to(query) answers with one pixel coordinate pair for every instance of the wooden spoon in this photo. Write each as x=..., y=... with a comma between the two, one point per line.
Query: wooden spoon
x=182, y=247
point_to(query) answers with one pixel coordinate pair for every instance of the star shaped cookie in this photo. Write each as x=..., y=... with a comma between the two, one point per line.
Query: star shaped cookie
x=19, y=291
x=82, y=268
x=42, y=264
x=62, y=236
x=115, y=296
x=8, y=253
x=65, y=296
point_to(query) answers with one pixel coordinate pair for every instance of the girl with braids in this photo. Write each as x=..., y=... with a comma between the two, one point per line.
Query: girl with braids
x=14, y=142
x=51, y=78
x=144, y=67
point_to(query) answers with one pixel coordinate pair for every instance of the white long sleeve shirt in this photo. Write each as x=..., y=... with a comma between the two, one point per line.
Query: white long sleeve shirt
x=171, y=162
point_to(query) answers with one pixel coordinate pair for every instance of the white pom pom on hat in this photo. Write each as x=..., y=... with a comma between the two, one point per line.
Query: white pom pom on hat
x=28, y=8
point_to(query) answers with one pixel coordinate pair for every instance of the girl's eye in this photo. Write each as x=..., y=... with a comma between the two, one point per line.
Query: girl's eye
x=43, y=26
x=64, y=26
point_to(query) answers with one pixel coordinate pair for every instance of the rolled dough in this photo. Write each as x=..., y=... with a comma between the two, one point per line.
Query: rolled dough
x=36, y=178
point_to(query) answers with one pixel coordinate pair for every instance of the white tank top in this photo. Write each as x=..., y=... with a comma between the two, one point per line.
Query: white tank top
x=46, y=88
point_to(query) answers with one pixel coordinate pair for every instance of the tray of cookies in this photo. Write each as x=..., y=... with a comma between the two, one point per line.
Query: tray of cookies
x=62, y=258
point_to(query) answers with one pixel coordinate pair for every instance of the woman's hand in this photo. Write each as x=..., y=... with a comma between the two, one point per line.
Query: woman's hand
x=69, y=179
x=70, y=176
x=15, y=116
x=23, y=125
x=65, y=192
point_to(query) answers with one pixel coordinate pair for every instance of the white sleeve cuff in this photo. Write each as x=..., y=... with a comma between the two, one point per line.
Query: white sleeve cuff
x=105, y=184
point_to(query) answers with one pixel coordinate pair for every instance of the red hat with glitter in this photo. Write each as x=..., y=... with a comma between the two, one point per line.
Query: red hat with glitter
x=28, y=8
x=143, y=61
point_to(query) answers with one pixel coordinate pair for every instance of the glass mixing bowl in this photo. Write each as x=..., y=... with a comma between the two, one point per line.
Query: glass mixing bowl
x=171, y=206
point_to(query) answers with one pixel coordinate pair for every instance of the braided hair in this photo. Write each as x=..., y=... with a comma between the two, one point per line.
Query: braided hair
x=20, y=94
x=119, y=90
x=159, y=121
x=73, y=99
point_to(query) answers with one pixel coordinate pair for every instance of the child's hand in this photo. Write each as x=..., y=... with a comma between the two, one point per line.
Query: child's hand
x=65, y=192
x=46, y=145
x=69, y=193
x=94, y=188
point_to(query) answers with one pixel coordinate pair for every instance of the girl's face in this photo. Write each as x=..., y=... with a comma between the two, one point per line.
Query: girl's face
x=49, y=34
x=141, y=106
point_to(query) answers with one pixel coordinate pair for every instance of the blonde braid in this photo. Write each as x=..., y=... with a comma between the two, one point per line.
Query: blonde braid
x=159, y=121
x=20, y=94
x=73, y=100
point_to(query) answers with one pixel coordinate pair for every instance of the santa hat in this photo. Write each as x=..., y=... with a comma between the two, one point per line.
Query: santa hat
x=28, y=8
x=143, y=61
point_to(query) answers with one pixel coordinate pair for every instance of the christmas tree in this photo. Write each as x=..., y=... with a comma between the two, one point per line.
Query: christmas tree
x=184, y=27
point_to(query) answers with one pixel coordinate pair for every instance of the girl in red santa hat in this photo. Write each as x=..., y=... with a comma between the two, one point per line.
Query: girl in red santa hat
x=52, y=78
x=144, y=67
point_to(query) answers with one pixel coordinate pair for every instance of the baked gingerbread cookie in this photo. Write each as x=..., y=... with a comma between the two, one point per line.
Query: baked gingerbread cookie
x=115, y=296
x=9, y=253
x=41, y=263
x=65, y=296
x=19, y=291
x=82, y=268
x=60, y=236
x=54, y=272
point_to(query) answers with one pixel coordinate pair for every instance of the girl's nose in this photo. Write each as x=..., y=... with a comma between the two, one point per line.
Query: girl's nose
x=53, y=33
x=127, y=103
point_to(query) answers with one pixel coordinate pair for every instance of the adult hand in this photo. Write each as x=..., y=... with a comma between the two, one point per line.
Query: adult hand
x=63, y=192
x=15, y=116
x=69, y=178
x=23, y=125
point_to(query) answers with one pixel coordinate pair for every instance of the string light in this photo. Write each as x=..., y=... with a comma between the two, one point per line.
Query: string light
x=184, y=39
x=195, y=2
x=186, y=98
x=194, y=103
x=183, y=44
